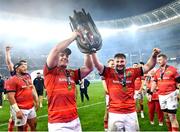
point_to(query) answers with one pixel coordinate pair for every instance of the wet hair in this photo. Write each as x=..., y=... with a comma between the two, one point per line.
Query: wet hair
x=120, y=55
x=162, y=55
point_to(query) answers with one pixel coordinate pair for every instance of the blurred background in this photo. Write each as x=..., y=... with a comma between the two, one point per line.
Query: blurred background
x=133, y=27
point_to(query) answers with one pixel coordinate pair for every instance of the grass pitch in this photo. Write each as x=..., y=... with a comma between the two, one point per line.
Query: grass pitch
x=91, y=113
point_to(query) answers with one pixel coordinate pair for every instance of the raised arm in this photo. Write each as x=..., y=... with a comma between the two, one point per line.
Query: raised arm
x=88, y=66
x=99, y=66
x=8, y=59
x=53, y=56
x=152, y=61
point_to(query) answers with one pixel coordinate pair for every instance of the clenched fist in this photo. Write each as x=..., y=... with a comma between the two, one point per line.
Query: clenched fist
x=156, y=51
x=8, y=48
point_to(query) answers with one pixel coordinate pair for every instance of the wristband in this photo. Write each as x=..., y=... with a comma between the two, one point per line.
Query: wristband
x=149, y=92
x=177, y=79
x=15, y=107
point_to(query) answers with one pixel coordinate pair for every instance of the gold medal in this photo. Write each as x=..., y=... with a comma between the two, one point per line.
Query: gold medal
x=69, y=87
x=124, y=88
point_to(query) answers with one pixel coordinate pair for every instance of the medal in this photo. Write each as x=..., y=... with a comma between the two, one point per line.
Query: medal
x=68, y=80
x=122, y=80
x=69, y=87
x=124, y=88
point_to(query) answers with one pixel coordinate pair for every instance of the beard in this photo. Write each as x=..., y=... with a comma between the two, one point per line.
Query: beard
x=162, y=65
x=120, y=67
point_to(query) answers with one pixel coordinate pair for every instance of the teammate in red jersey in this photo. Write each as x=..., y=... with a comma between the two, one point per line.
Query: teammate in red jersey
x=60, y=83
x=139, y=87
x=153, y=104
x=22, y=96
x=10, y=66
x=166, y=80
x=110, y=63
x=120, y=85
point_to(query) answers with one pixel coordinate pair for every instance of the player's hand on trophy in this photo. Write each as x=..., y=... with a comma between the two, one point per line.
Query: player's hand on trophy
x=76, y=34
x=156, y=51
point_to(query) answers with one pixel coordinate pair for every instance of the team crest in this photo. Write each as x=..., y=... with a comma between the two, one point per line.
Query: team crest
x=168, y=72
x=71, y=73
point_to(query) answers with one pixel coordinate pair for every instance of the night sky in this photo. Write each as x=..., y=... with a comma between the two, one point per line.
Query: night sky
x=99, y=9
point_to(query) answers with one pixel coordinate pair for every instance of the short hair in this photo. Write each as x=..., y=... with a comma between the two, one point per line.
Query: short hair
x=22, y=61
x=162, y=55
x=135, y=63
x=120, y=55
x=67, y=51
x=111, y=59
x=142, y=63
x=18, y=64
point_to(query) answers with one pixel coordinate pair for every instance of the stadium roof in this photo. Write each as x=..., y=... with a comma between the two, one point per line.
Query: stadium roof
x=99, y=9
x=163, y=14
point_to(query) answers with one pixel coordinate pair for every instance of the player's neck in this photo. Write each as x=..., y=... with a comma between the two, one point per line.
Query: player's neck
x=164, y=66
x=63, y=67
x=20, y=74
x=120, y=71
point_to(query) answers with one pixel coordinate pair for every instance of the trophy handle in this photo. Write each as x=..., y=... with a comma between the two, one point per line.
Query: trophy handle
x=71, y=26
x=84, y=11
x=94, y=26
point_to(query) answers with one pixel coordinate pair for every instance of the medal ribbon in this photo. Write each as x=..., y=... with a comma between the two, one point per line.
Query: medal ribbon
x=122, y=80
x=162, y=72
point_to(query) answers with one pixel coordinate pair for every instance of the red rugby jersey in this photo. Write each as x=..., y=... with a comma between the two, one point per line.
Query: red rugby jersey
x=121, y=100
x=138, y=83
x=166, y=84
x=61, y=100
x=22, y=86
x=148, y=85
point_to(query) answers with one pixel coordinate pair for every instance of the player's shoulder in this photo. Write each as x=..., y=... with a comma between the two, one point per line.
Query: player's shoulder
x=109, y=69
x=12, y=79
x=172, y=67
x=27, y=75
x=131, y=69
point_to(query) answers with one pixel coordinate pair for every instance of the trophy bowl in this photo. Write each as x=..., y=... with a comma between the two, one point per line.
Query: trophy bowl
x=91, y=40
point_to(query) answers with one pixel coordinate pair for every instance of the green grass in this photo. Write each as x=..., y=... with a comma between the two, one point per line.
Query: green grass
x=91, y=113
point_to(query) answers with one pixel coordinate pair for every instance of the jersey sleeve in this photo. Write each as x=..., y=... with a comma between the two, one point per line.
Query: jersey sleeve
x=177, y=76
x=155, y=78
x=77, y=75
x=47, y=70
x=138, y=72
x=12, y=73
x=10, y=85
x=104, y=73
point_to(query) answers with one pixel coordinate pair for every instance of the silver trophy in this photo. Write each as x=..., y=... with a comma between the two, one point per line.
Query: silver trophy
x=91, y=39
